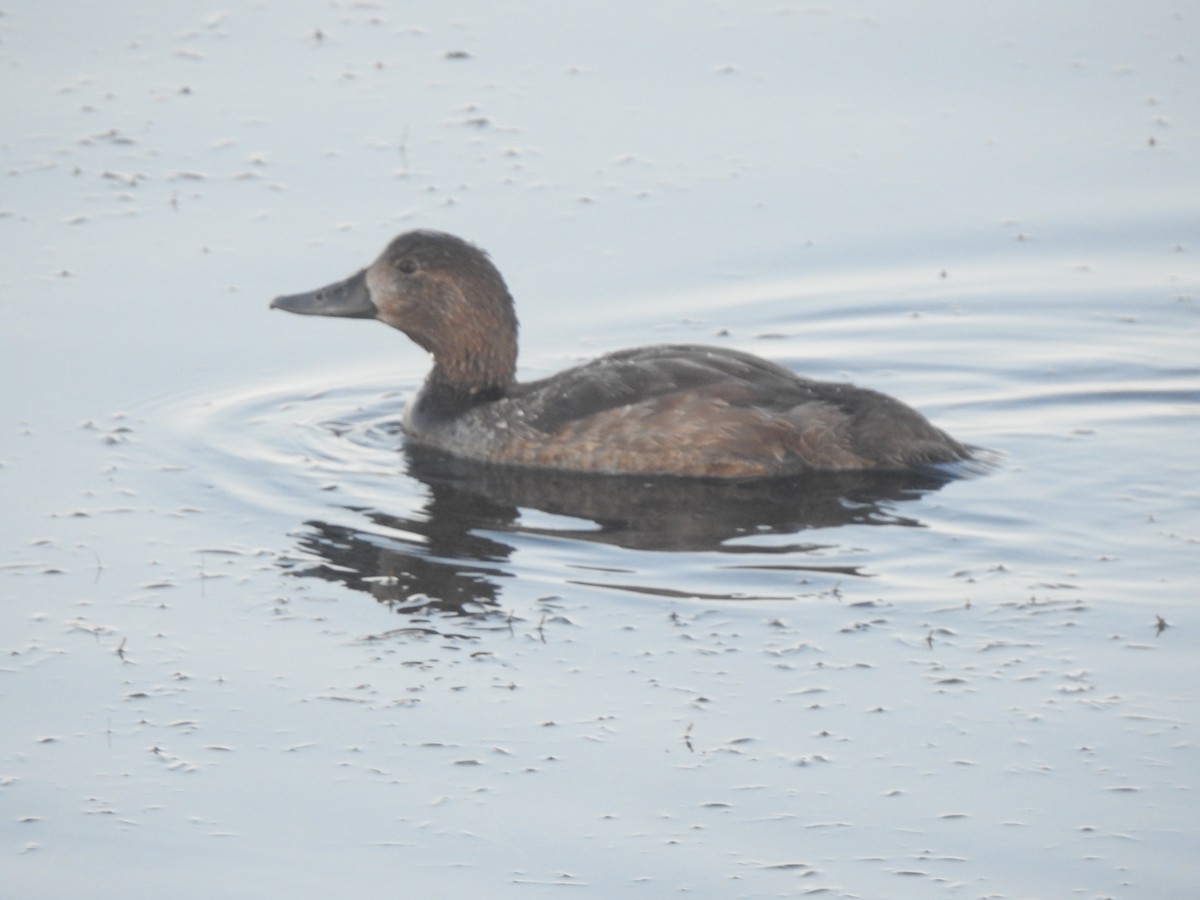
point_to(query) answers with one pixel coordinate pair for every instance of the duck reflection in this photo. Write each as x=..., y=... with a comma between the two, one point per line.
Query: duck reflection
x=452, y=554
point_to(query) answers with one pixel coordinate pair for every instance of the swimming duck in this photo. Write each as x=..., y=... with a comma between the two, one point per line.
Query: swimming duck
x=672, y=409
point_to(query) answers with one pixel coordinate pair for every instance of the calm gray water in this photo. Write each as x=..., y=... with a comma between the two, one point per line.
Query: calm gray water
x=253, y=644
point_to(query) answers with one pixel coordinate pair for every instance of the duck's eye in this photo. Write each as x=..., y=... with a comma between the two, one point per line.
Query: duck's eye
x=407, y=265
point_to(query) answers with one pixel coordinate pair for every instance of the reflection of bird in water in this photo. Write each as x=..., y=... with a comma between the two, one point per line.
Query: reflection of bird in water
x=451, y=555
x=647, y=513
x=661, y=410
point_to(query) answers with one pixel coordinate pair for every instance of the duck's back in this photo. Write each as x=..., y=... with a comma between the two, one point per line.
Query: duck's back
x=687, y=410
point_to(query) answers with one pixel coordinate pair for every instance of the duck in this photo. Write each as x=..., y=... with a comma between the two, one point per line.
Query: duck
x=663, y=410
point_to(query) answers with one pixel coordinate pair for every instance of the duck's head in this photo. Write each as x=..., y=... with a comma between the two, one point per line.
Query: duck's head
x=441, y=291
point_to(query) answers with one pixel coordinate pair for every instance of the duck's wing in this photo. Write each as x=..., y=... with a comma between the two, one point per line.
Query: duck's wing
x=647, y=375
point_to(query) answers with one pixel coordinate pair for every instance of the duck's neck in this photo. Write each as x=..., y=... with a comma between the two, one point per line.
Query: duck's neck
x=462, y=387
x=480, y=364
x=473, y=341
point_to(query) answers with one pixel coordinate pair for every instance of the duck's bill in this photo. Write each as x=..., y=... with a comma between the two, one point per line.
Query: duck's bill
x=349, y=299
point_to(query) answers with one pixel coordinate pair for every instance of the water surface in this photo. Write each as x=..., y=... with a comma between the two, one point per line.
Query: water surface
x=252, y=639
